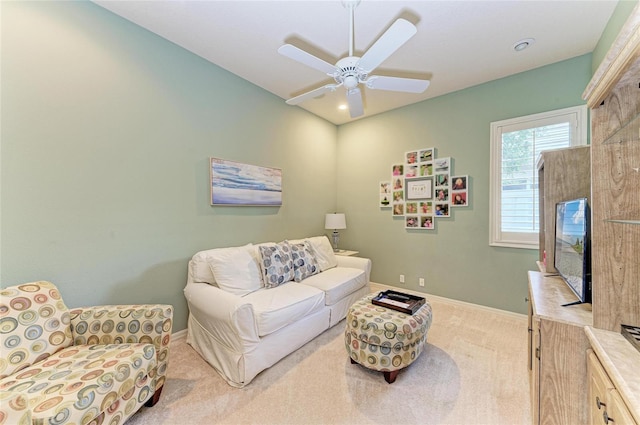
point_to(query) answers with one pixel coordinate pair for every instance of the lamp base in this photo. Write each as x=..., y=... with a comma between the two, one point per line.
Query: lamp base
x=336, y=237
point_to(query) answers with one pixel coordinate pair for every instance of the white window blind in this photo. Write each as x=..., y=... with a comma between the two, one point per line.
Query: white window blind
x=516, y=145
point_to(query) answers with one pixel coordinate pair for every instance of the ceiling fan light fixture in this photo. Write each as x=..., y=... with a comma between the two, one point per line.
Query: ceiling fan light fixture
x=351, y=71
x=523, y=44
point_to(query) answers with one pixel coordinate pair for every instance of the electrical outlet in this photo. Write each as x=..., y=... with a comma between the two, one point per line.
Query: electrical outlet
x=401, y=278
x=421, y=281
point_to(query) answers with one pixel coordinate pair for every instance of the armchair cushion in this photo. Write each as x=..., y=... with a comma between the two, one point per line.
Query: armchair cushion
x=14, y=408
x=86, y=380
x=34, y=325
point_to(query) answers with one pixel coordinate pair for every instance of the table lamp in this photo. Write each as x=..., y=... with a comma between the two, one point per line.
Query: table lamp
x=335, y=221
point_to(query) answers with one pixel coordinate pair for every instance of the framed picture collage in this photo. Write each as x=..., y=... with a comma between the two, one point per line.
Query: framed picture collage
x=422, y=189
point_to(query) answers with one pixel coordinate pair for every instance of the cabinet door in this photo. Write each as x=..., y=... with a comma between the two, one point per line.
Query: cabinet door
x=599, y=387
x=535, y=370
x=617, y=412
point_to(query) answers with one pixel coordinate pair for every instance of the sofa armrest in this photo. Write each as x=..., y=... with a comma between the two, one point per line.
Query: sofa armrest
x=227, y=317
x=120, y=324
x=356, y=263
x=14, y=408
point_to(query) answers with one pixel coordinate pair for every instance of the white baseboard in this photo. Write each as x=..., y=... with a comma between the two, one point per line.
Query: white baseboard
x=178, y=336
x=376, y=287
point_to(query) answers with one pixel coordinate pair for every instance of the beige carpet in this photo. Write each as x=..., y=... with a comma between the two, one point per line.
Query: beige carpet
x=473, y=371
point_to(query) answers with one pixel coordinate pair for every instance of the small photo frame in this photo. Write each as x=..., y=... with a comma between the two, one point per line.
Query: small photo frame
x=411, y=157
x=420, y=188
x=459, y=182
x=442, y=194
x=398, y=196
x=385, y=194
x=398, y=209
x=442, y=165
x=426, y=222
x=410, y=171
x=411, y=207
x=459, y=199
x=442, y=180
x=425, y=155
x=442, y=209
x=397, y=170
x=425, y=207
x=398, y=183
x=412, y=222
x=425, y=169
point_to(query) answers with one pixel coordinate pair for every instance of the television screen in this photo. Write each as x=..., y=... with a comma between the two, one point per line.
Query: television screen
x=572, y=254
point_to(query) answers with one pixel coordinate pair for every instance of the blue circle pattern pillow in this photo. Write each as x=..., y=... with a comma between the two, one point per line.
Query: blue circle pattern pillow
x=304, y=261
x=277, y=264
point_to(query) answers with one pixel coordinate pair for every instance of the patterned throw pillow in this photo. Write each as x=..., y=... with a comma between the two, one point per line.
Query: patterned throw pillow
x=276, y=264
x=304, y=261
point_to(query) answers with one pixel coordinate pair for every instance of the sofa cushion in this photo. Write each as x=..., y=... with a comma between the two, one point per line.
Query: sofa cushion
x=323, y=252
x=280, y=306
x=304, y=261
x=337, y=282
x=276, y=264
x=235, y=269
x=80, y=382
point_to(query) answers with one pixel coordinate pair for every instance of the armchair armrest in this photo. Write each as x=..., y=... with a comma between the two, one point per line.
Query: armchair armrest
x=14, y=408
x=227, y=317
x=356, y=263
x=120, y=324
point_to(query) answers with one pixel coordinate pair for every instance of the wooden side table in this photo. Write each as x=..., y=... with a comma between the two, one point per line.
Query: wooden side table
x=346, y=252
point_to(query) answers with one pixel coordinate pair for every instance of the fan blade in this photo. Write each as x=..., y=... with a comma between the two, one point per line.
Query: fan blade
x=299, y=55
x=409, y=85
x=354, y=99
x=313, y=93
x=397, y=34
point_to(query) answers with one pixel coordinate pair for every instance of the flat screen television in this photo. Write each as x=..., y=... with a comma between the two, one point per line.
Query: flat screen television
x=573, y=247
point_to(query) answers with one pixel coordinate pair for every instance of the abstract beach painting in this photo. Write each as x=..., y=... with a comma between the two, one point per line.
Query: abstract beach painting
x=235, y=183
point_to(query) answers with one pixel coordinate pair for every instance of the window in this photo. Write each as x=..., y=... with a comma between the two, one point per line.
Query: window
x=515, y=147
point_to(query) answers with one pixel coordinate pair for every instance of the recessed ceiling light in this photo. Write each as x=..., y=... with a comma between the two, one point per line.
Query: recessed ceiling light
x=342, y=107
x=523, y=44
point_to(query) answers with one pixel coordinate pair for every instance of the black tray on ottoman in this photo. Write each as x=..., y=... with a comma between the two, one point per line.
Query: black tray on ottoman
x=399, y=301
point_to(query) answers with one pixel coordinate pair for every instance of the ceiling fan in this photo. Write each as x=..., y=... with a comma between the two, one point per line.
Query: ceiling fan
x=351, y=71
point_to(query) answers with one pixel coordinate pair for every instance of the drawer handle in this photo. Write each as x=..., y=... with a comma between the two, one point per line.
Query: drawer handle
x=599, y=403
x=606, y=418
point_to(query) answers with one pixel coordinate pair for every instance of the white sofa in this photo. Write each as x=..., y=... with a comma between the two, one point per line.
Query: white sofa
x=242, y=320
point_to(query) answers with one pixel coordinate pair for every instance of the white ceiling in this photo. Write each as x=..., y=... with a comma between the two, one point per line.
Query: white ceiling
x=459, y=44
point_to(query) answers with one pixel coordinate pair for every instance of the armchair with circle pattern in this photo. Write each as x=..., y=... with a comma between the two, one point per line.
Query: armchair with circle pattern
x=95, y=365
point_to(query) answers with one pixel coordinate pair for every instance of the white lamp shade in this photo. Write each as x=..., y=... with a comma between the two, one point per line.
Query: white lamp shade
x=335, y=221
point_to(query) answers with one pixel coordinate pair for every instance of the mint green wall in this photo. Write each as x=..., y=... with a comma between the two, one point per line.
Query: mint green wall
x=456, y=259
x=618, y=18
x=106, y=134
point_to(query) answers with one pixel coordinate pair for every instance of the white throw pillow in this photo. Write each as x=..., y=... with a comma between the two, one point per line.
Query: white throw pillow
x=323, y=252
x=235, y=269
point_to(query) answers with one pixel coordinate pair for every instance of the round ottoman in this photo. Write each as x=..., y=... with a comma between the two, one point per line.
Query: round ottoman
x=383, y=339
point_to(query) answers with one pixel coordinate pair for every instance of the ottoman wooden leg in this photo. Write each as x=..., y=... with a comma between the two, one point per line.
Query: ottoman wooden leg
x=353, y=361
x=390, y=377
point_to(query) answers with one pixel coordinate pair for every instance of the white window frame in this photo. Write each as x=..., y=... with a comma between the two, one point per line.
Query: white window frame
x=577, y=115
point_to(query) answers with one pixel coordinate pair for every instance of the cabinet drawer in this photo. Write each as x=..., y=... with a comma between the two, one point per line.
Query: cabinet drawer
x=606, y=406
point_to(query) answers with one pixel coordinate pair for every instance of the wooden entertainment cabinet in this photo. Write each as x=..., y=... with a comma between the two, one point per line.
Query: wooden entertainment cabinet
x=557, y=352
x=561, y=337
x=563, y=174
